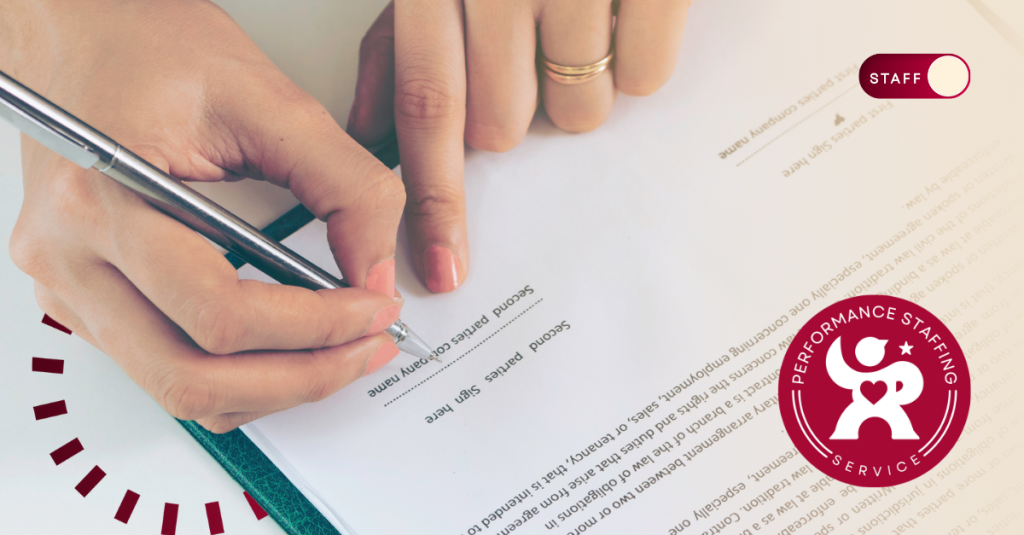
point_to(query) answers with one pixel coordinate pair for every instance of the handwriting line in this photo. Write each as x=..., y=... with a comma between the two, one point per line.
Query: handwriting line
x=815, y=112
x=470, y=350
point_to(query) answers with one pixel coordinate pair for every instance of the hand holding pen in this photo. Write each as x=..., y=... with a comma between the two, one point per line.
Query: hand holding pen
x=201, y=102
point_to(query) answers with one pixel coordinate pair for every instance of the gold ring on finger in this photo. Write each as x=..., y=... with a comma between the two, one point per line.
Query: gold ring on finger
x=570, y=75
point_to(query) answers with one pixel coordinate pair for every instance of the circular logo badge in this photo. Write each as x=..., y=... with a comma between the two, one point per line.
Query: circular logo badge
x=874, y=391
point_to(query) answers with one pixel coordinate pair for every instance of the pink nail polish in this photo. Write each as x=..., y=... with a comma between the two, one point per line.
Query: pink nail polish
x=381, y=278
x=441, y=269
x=384, y=318
x=382, y=356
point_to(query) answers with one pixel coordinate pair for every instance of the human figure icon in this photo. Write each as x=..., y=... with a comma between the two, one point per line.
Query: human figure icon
x=903, y=384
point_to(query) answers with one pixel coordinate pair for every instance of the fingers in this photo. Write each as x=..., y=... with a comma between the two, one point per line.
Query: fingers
x=648, y=36
x=191, y=384
x=502, y=84
x=430, y=114
x=574, y=33
x=293, y=142
x=372, y=117
x=274, y=381
x=194, y=286
x=222, y=423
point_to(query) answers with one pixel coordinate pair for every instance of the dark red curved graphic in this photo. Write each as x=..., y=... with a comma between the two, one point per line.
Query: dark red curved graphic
x=90, y=481
x=170, y=519
x=66, y=451
x=214, y=519
x=256, y=509
x=47, y=365
x=47, y=320
x=124, y=511
x=49, y=410
x=96, y=474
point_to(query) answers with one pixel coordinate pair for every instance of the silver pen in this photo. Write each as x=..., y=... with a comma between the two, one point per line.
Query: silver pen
x=85, y=146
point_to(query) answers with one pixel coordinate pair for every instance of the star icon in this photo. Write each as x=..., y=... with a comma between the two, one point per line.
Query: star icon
x=905, y=348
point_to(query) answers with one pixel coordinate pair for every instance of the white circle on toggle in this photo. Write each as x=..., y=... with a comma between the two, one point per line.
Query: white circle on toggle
x=948, y=76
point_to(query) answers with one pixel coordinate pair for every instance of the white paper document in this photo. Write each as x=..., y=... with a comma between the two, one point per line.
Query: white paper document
x=610, y=366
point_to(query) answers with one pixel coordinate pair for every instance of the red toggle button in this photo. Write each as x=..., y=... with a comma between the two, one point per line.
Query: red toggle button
x=915, y=76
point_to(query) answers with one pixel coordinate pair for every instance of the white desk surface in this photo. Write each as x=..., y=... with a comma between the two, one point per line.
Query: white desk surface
x=315, y=42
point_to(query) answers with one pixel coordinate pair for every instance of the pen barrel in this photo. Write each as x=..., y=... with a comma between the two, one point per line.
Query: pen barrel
x=220, y=226
x=50, y=125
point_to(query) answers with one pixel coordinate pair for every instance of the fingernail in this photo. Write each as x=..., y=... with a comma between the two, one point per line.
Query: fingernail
x=382, y=356
x=381, y=278
x=441, y=269
x=383, y=319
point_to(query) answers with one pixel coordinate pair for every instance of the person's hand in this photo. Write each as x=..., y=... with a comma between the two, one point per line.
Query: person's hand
x=446, y=71
x=181, y=85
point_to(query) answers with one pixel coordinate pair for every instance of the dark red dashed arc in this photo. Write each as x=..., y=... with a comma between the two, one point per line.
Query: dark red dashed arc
x=92, y=479
x=47, y=320
x=214, y=519
x=47, y=365
x=170, y=523
x=89, y=482
x=127, y=507
x=49, y=410
x=66, y=451
x=256, y=509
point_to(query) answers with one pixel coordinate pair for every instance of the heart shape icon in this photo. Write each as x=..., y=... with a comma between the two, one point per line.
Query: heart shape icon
x=873, y=390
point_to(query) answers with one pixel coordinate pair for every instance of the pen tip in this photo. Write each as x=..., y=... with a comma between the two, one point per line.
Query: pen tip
x=414, y=345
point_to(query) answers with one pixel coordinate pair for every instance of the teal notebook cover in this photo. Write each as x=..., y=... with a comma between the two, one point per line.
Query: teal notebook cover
x=239, y=456
x=262, y=480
